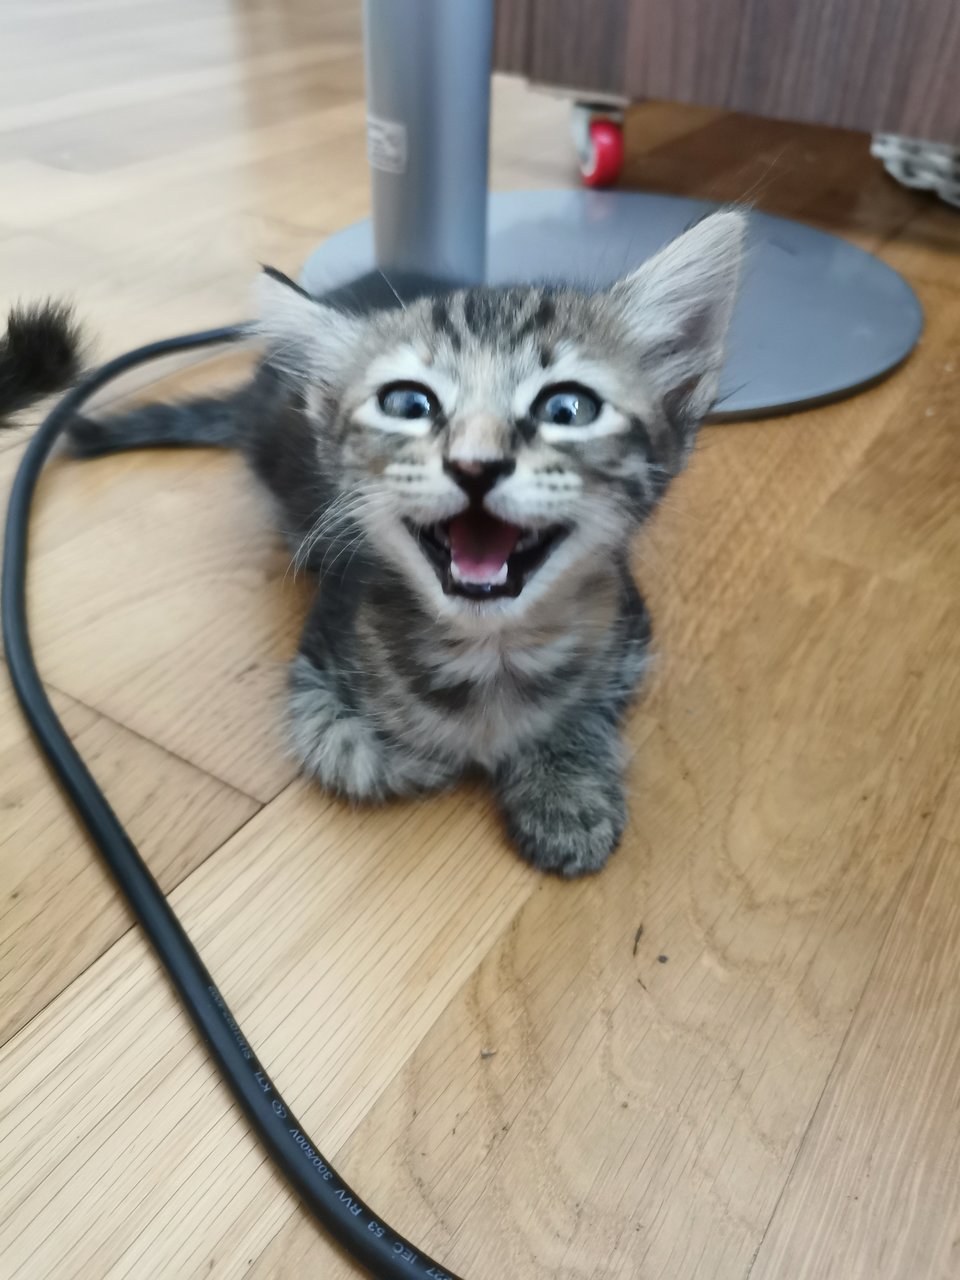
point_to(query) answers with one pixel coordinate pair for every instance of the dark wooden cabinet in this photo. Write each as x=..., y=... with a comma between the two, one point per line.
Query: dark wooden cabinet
x=879, y=65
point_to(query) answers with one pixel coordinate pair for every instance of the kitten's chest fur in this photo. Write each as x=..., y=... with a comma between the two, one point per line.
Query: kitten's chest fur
x=476, y=698
x=482, y=697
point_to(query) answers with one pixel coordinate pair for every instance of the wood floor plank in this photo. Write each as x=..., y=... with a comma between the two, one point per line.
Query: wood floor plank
x=338, y=937
x=194, y=614
x=876, y=1192
x=927, y=248
x=897, y=513
x=822, y=176
x=117, y=317
x=640, y=1117
x=60, y=910
x=210, y=202
x=120, y=80
x=90, y=143
x=752, y=488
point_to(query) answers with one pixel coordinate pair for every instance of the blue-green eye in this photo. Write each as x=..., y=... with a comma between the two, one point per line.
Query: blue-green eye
x=407, y=400
x=569, y=405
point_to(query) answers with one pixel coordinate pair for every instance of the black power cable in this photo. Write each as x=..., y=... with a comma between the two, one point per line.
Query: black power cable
x=377, y=1247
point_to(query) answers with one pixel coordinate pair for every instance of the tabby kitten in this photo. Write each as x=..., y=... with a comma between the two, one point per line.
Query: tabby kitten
x=463, y=477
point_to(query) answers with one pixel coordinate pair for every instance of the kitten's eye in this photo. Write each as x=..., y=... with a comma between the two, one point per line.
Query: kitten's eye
x=407, y=400
x=566, y=406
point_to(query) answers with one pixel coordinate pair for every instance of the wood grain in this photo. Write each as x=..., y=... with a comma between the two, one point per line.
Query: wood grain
x=876, y=1191
x=928, y=248
x=895, y=516
x=60, y=909
x=187, y=638
x=753, y=488
x=824, y=177
x=496, y=1060
x=338, y=937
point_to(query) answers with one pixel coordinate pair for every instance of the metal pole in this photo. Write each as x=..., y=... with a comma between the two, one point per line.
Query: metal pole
x=428, y=66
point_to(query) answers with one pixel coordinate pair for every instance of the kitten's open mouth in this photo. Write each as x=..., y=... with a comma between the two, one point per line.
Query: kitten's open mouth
x=478, y=556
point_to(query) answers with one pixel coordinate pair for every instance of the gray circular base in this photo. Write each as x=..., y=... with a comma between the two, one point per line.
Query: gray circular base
x=818, y=318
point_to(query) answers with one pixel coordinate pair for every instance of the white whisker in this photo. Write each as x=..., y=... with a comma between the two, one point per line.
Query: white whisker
x=381, y=272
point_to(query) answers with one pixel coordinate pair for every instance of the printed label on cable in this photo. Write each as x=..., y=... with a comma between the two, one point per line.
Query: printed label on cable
x=386, y=145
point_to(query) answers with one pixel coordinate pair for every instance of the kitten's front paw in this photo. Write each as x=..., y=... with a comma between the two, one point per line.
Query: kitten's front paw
x=336, y=747
x=342, y=749
x=570, y=828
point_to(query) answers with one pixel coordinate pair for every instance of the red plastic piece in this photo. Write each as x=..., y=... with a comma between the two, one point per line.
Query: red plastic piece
x=606, y=154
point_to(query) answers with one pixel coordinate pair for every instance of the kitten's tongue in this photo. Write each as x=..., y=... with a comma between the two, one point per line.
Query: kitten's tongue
x=480, y=546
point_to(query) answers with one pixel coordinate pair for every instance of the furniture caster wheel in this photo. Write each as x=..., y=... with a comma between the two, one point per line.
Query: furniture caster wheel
x=598, y=136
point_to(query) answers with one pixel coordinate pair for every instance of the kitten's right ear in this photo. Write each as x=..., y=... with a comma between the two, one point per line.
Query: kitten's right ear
x=305, y=339
x=678, y=307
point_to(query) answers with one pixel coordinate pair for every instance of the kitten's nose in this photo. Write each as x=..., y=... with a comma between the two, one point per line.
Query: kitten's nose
x=476, y=479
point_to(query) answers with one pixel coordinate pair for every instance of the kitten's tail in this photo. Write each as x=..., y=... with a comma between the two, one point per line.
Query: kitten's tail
x=40, y=353
x=205, y=422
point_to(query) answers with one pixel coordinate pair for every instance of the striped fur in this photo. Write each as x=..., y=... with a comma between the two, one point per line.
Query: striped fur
x=400, y=686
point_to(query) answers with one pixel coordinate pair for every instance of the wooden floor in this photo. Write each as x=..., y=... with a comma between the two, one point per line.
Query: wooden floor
x=763, y=1082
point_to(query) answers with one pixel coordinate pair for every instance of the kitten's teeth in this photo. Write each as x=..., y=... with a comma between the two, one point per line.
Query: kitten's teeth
x=528, y=540
x=440, y=533
x=496, y=581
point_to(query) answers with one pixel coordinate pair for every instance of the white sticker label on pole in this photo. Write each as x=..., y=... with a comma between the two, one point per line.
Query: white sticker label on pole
x=386, y=145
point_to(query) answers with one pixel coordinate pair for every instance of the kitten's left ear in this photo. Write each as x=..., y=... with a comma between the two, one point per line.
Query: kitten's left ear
x=677, y=308
x=305, y=338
